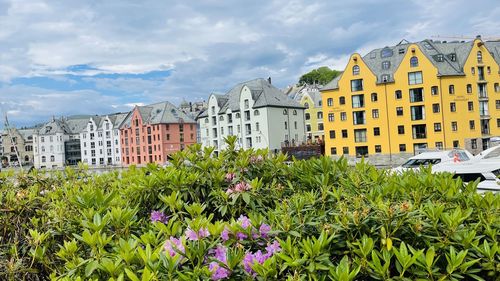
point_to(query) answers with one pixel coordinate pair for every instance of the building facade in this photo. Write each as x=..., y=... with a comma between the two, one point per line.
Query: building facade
x=20, y=139
x=259, y=114
x=309, y=96
x=400, y=100
x=150, y=133
x=100, y=140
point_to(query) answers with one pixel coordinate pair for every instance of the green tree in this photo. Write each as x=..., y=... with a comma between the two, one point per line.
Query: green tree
x=321, y=75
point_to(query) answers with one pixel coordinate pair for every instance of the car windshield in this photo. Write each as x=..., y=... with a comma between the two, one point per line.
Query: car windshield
x=415, y=163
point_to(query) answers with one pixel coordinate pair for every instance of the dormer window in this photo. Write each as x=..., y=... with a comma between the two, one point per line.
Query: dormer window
x=453, y=57
x=386, y=64
x=386, y=52
x=385, y=78
x=440, y=58
x=355, y=70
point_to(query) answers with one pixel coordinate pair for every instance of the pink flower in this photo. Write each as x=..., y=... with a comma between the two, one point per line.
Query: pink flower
x=230, y=177
x=218, y=272
x=264, y=230
x=194, y=236
x=229, y=191
x=242, y=186
x=244, y=221
x=225, y=234
x=173, y=246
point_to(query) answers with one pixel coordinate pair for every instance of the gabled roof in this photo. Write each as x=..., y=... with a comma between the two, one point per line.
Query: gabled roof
x=454, y=55
x=160, y=113
x=263, y=94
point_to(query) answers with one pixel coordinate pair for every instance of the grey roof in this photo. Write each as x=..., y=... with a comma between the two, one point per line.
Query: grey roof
x=160, y=113
x=431, y=49
x=334, y=84
x=263, y=94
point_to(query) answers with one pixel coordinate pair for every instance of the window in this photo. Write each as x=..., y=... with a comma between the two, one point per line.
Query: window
x=332, y=134
x=439, y=57
x=256, y=112
x=320, y=115
x=329, y=102
x=451, y=89
x=456, y=144
x=434, y=90
x=333, y=151
x=497, y=87
x=361, y=151
x=417, y=112
x=497, y=104
x=320, y=127
x=413, y=62
x=221, y=118
x=479, y=57
x=247, y=115
x=439, y=145
x=488, y=70
x=453, y=107
x=356, y=85
x=246, y=103
x=480, y=72
x=52, y=158
x=417, y=95
x=360, y=135
x=385, y=78
x=342, y=100
x=308, y=116
x=378, y=148
x=398, y=94
x=294, y=125
x=401, y=129
x=498, y=123
x=44, y=159
x=374, y=97
x=473, y=143
x=331, y=117
x=343, y=116
x=345, y=150
x=376, y=131
x=399, y=111
x=415, y=78
x=344, y=134
x=375, y=113
x=286, y=126
x=355, y=70
x=436, y=108
x=237, y=115
x=472, y=125
x=481, y=88
x=295, y=111
x=358, y=101
x=359, y=117
x=306, y=105
x=437, y=127
x=402, y=147
x=386, y=52
x=308, y=127
x=470, y=105
x=419, y=131
x=386, y=64
x=469, y=88
x=453, y=57
x=454, y=126
x=257, y=126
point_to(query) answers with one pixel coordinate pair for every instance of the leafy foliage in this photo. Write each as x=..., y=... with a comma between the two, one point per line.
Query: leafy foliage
x=321, y=75
x=318, y=219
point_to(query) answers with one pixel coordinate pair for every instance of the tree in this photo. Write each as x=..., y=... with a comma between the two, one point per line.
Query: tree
x=321, y=76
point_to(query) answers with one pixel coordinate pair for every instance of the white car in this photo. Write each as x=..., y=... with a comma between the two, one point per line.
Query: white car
x=433, y=158
x=486, y=170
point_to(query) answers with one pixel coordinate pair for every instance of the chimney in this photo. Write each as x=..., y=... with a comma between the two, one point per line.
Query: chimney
x=269, y=80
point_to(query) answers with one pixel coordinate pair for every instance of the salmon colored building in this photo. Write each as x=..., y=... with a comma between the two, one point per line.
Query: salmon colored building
x=150, y=133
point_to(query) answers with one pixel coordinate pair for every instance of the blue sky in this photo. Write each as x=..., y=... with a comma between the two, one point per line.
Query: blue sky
x=96, y=57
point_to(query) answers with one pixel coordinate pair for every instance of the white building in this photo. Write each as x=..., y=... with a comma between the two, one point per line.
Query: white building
x=100, y=140
x=258, y=113
x=50, y=142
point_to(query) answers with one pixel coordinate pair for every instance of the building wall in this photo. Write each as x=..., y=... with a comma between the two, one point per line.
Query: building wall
x=151, y=143
x=104, y=147
x=24, y=147
x=49, y=150
x=390, y=139
x=315, y=133
x=280, y=134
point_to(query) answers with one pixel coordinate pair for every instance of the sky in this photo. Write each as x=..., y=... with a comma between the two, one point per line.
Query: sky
x=60, y=58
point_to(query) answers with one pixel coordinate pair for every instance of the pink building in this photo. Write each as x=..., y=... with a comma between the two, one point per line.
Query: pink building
x=150, y=133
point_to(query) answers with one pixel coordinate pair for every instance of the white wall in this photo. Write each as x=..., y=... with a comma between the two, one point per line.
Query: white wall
x=52, y=148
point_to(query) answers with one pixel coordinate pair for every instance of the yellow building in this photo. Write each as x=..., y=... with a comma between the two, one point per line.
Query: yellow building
x=397, y=101
x=310, y=97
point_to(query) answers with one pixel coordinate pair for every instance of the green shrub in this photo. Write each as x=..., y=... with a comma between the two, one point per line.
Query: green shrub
x=246, y=215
